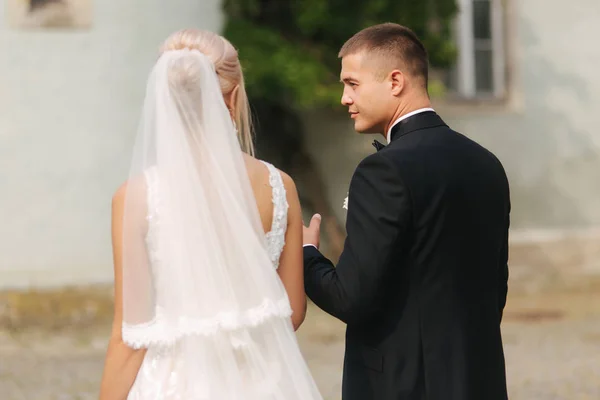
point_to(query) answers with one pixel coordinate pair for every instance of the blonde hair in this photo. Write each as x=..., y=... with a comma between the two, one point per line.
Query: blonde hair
x=229, y=71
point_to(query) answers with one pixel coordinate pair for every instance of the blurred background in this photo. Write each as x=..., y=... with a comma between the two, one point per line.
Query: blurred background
x=518, y=76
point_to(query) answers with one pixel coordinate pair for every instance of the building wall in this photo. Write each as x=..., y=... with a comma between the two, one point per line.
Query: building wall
x=547, y=135
x=70, y=104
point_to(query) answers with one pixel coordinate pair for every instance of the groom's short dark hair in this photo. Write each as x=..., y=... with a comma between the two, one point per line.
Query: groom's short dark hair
x=391, y=42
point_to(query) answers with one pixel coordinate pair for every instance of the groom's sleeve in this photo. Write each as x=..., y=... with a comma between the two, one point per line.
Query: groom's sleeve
x=379, y=213
x=503, y=265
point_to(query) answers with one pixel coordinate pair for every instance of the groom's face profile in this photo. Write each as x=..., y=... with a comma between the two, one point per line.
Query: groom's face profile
x=369, y=93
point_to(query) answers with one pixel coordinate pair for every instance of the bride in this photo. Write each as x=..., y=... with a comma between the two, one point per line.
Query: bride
x=207, y=245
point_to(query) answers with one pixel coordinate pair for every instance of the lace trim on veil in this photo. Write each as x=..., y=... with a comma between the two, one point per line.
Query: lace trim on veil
x=163, y=330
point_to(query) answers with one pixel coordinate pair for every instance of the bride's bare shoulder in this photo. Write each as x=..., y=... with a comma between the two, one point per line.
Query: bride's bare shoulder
x=288, y=181
x=257, y=170
x=133, y=188
x=254, y=164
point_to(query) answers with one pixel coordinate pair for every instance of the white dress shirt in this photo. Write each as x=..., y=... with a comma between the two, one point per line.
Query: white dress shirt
x=410, y=114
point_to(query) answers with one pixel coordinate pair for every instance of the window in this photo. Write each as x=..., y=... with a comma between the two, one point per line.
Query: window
x=480, y=66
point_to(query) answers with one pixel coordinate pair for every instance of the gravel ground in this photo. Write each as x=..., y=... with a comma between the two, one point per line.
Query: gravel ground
x=552, y=346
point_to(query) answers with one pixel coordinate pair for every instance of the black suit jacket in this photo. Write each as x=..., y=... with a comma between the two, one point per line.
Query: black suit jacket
x=422, y=280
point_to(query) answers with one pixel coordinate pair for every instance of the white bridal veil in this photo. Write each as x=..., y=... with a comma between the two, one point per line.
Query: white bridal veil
x=197, y=276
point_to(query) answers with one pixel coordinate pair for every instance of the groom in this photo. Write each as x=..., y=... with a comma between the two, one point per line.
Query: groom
x=422, y=280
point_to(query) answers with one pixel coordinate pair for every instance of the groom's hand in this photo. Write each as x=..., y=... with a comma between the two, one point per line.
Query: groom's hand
x=311, y=235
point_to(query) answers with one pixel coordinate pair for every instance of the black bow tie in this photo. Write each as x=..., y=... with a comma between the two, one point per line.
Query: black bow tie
x=378, y=145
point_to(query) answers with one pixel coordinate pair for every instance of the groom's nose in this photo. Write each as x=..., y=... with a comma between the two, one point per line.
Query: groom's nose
x=346, y=100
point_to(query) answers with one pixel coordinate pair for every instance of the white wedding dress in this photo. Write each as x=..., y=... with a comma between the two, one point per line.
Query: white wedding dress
x=164, y=373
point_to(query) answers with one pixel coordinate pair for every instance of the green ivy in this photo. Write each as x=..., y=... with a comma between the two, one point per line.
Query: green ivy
x=289, y=47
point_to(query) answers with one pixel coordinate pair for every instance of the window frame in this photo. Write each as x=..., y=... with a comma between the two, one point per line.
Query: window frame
x=464, y=83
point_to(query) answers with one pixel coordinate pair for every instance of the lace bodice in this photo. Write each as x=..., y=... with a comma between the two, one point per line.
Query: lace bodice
x=275, y=237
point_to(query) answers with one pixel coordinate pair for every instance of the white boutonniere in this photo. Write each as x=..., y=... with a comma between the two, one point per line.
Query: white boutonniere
x=345, y=206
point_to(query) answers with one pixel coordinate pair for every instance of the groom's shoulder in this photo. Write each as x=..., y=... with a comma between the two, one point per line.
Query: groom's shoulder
x=392, y=154
x=372, y=159
x=379, y=164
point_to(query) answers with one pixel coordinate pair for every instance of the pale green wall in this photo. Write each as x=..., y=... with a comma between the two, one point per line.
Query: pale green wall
x=70, y=103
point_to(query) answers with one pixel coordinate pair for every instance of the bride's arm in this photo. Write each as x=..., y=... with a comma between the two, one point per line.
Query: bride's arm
x=122, y=362
x=291, y=267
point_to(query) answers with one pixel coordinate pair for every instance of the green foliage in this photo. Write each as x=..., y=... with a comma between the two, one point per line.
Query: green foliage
x=289, y=47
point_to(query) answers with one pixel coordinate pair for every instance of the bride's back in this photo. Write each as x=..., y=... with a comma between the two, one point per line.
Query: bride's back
x=230, y=77
x=277, y=200
x=259, y=175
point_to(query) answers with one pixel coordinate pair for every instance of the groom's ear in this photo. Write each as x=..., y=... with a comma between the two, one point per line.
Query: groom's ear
x=397, y=81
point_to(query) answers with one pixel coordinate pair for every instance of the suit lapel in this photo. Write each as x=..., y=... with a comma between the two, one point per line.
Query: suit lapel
x=417, y=122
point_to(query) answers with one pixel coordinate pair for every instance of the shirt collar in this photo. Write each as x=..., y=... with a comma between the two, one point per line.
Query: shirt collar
x=410, y=114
